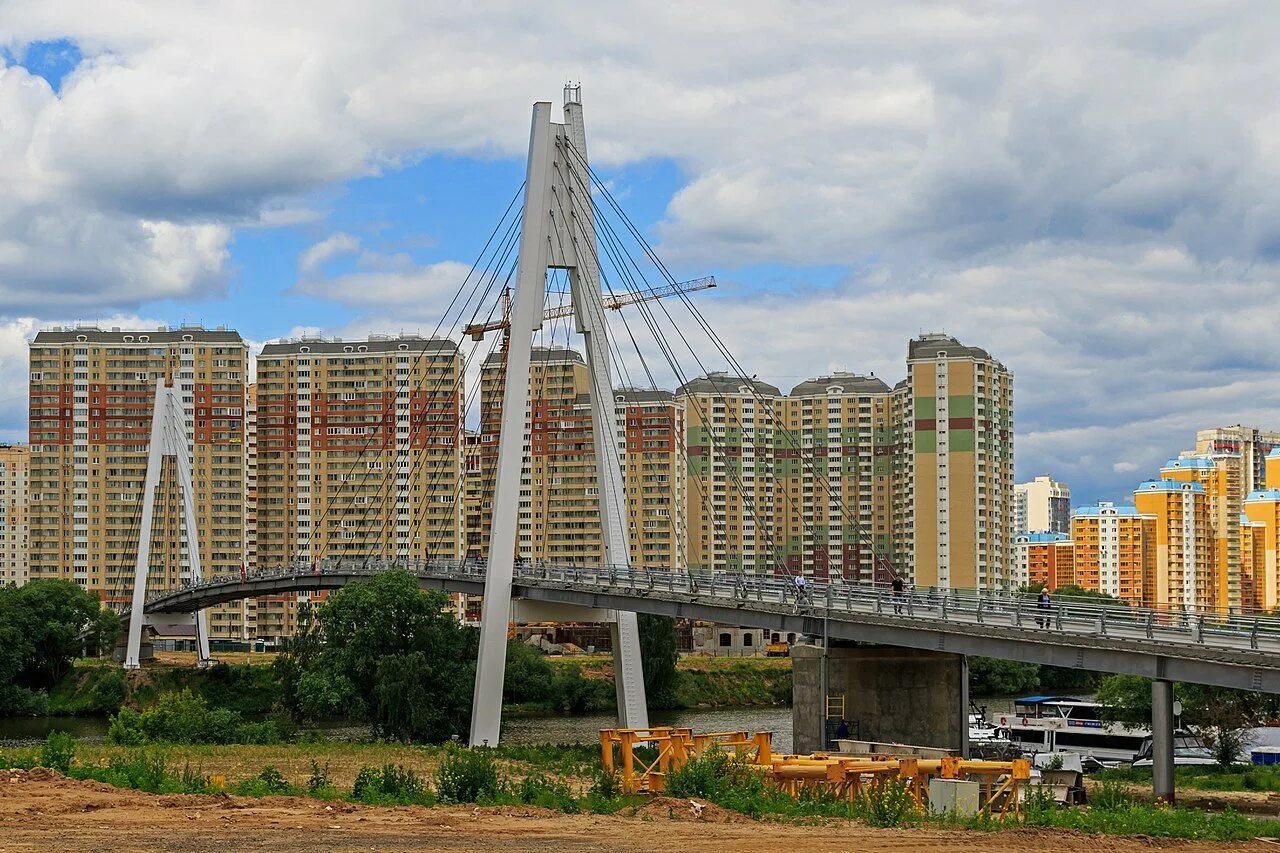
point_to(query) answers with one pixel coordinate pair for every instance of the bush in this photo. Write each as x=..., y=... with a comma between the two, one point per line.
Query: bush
x=267, y=783
x=1111, y=795
x=146, y=770
x=58, y=752
x=717, y=776
x=538, y=790
x=390, y=783
x=319, y=783
x=889, y=804
x=606, y=786
x=466, y=775
x=184, y=717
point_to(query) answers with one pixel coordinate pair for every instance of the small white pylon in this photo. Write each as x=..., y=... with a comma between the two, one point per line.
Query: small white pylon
x=168, y=438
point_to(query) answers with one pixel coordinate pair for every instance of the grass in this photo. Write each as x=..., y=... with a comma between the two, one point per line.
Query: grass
x=1242, y=777
x=561, y=778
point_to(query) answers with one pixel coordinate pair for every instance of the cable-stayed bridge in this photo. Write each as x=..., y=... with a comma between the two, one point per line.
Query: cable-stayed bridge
x=565, y=235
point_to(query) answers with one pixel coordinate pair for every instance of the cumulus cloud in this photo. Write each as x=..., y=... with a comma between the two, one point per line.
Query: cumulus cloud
x=310, y=261
x=1088, y=190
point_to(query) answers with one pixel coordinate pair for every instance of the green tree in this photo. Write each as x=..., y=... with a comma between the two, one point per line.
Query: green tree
x=1217, y=714
x=384, y=651
x=993, y=676
x=658, y=655
x=44, y=626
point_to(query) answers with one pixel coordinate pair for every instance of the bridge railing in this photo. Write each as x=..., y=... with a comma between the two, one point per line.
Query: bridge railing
x=1062, y=615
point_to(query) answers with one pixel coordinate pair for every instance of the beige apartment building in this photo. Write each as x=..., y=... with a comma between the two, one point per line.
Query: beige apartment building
x=956, y=416
x=834, y=451
x=1184, y=542
x=730, y=445
x=1223, y=476
x=14, y=468
x=359, y=450
x=91, y=395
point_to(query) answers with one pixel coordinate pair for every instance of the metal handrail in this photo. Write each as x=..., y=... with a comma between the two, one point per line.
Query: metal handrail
x=1071, y=616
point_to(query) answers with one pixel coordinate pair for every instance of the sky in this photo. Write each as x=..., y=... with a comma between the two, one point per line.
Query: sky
x=1090, y=191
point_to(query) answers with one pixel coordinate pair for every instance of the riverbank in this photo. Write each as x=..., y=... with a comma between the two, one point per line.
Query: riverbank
x=99, y=688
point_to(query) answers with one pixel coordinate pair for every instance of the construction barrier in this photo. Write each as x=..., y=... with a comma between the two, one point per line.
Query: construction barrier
x=642, y=758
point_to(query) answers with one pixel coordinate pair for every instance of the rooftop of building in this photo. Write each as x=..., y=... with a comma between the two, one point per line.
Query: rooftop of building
x=1197, y=462
x=374, y=344
x=1105, y=508
x=726, y=384
x=1168, y=486
x=931, y=345
x=540, y=355
x=1264, y=495
x=1275, y=451
x=1041, y=536
x=841, y=382
x=643, y=395
x=117, y=335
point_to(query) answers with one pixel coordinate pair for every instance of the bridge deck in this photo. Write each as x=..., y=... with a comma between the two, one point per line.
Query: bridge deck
x=1217, y=649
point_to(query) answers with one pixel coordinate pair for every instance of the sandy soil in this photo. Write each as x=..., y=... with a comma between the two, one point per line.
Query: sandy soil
x=42, y=811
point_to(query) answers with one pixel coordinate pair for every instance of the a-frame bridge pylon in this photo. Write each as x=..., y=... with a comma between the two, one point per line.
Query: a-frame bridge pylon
x=557, y=232
x=168, y=438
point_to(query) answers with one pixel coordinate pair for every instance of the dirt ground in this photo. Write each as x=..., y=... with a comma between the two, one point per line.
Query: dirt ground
x=42, y=811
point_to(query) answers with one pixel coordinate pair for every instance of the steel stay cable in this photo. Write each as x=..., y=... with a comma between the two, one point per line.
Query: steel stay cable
x=319, y=526
x=624, y=273
x=855, y=524
x=615, y=250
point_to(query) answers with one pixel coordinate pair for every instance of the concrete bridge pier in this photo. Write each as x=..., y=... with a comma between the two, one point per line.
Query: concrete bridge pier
x=1162, y=726
x=884, y=693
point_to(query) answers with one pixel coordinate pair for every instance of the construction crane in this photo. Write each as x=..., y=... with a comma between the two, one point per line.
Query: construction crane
x=477, y=331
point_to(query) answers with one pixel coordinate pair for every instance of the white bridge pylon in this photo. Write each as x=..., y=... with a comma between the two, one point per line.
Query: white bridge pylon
x=557, y=232
x=168, y=438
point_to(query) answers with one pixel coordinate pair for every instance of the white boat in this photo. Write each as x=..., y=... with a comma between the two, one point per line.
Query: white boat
x=1187, y=750
x=1068, y=724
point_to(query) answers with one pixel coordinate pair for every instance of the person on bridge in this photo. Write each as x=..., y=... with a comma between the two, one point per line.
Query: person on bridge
x=1044, y=603
x=898, y=587
x=800, y=586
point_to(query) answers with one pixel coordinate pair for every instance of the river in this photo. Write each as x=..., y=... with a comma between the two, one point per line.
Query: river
x=582, y=728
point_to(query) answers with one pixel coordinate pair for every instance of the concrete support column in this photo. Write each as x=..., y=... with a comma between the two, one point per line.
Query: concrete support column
x=1162, y=739
x=964, y=706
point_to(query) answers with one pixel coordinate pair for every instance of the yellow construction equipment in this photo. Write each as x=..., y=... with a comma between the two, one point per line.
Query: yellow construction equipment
x=664, y=750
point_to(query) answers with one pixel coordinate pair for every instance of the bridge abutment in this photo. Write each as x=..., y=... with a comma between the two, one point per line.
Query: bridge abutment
x=885, y=694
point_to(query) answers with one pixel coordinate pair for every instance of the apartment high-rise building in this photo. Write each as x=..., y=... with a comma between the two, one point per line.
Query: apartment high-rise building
x=1253, y=564
x=91, y=397
x=1115, y=551
x=1184, y=566
x=14, y=497
x=1223, y=476
x=1271, y=470
x=834, y=449
x=1262, y=510
x=651, y=443
x=1042, y=505
x=731, y=500
x=1250, y=444
x=1044, y=558
x=959, y=416
x=359, y=449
